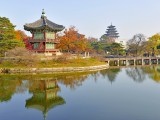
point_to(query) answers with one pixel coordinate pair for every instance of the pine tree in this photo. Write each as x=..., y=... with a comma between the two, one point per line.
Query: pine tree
x=8, y=39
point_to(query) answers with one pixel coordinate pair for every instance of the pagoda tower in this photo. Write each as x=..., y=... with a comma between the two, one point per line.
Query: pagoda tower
x=112, y=32
x=44, y=35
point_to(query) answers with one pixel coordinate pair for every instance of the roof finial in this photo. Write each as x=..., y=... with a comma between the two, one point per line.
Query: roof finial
x=45, y=112
x=43, y=14
x=43, y=11
x=111, y=23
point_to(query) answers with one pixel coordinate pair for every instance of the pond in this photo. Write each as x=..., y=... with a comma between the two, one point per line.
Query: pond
x=131, y=93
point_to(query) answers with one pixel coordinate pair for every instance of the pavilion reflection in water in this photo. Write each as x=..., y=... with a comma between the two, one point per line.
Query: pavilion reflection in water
x=45, y=96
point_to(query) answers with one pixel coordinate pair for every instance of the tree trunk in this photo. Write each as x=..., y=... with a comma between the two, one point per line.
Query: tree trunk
x=136, y=51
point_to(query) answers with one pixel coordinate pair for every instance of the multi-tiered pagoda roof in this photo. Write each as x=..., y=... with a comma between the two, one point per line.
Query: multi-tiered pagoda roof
x=112, y=32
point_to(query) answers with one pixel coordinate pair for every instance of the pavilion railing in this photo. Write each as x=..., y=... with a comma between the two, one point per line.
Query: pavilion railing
x=43, y=40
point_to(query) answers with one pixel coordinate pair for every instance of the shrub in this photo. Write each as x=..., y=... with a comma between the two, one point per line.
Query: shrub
x=64, y=57
x=22, y=55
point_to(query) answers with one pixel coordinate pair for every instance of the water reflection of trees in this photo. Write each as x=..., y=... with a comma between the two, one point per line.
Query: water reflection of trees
x=139, y=74
x=110, y=73
x=9, y=87
x=136, y=73
x=73, y=81
x=43, y=87
x=10, y=84
x=153, y=72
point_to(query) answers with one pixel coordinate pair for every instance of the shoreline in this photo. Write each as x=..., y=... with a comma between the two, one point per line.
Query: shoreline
x=59, y=69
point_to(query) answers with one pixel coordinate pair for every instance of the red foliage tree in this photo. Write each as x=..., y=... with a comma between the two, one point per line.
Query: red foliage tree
x=27, y=44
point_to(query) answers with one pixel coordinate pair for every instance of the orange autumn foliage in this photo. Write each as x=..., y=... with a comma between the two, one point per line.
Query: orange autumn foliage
x=23, y=35
x=72, y=40
x=18, y=36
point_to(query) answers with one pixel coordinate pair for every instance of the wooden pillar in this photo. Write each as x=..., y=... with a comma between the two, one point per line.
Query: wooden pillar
x=142, y=62
x=55, y=46
x=33, y=35
x=85, y=54
x=150, y=62
x=88, y=54
x=44, y=35
x=117, y=62
x=157, y=61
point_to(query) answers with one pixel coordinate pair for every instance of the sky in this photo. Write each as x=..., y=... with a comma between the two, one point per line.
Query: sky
x=90, y=17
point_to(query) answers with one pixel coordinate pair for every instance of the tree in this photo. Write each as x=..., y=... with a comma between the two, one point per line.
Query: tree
x=136, y=41
x=89, y=44
x=20, y=35
x=9, y=39
x=98, y=46
x=72, y=40
x=80, y=44
x=6, y=29
x=104, y=38
x=27, y=43
x=115, y=47
x=6, y=45
x=91, y=40
x=153, y=42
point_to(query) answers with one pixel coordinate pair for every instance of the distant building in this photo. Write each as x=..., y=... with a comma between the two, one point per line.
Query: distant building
x=112, y=33
x=122, y=41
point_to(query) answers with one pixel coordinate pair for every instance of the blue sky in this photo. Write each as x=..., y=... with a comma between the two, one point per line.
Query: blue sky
x=91, y=17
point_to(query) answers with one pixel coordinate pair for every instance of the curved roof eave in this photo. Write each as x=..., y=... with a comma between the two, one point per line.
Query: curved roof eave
x=33, y=28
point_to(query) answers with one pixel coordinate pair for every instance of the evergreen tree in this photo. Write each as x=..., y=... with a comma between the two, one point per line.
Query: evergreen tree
x=6, y=29
x=8, y=35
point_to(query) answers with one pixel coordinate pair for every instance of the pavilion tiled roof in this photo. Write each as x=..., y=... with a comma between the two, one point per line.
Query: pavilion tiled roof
x=42, y=23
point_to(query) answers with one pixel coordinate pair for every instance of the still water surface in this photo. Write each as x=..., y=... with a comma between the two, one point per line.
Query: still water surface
x=111, y=94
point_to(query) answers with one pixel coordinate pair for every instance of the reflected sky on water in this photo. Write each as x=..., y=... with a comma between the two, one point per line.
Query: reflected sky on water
x=120, y=93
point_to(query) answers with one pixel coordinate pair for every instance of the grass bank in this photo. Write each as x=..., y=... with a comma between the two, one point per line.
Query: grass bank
x=52, y=64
